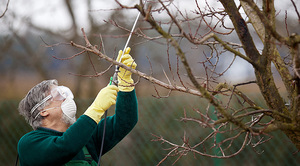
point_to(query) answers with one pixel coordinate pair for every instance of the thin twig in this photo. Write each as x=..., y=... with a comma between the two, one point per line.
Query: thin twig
x=6, y=8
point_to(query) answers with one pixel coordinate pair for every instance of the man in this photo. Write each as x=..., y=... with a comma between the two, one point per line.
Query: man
x=59, y=139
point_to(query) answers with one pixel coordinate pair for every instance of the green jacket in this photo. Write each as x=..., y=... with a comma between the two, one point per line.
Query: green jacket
x=44, y=146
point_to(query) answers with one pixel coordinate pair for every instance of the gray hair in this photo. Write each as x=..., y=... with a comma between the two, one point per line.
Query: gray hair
x=34, y=96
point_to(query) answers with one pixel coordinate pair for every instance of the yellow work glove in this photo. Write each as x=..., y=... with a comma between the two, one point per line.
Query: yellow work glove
x=125, y=82
x=105, y=98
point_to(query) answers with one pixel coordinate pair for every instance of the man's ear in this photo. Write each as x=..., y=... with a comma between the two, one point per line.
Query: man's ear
x=44, y=113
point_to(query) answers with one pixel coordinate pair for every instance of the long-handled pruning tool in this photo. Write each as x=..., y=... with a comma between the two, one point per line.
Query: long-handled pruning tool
x=114, y=81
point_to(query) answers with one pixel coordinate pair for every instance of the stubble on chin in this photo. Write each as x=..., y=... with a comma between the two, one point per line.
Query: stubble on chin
x=67, y=120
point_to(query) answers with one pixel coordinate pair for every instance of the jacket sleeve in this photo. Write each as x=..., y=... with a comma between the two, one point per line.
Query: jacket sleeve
x=42, y=148
x=120, y=124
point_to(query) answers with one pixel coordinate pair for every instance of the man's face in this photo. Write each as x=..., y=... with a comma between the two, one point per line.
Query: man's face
x=62, y=98
x=54, y=108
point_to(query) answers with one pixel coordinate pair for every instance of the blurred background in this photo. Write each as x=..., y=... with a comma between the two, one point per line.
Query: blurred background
x=34, y=35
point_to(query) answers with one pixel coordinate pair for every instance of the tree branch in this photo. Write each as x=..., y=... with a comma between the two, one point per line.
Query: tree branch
x=6, y=8
x=239, y=54
x=241, y=30
x=271, y=28
x=296, y=10
x=90, y=48
x=180, y=53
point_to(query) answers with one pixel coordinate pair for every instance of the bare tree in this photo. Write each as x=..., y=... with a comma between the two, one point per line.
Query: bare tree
x=214, y=28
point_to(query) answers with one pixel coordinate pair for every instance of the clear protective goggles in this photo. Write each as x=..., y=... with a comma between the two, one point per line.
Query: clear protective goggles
x=61, y=93
x=58, y=93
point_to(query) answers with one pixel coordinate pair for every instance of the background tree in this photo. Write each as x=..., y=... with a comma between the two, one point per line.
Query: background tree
x=29, y=42
x=188, y=34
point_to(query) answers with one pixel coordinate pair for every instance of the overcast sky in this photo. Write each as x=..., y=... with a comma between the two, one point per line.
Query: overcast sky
x=53, y=15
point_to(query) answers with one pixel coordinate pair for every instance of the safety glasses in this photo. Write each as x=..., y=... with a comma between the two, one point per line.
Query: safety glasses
x=58, y=93
x=61, y=93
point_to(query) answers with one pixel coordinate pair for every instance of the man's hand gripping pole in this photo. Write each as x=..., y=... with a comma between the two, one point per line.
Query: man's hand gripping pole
x=114, y=78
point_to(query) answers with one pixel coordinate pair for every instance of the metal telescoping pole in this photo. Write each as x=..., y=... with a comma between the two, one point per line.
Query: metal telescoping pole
x=114, y=81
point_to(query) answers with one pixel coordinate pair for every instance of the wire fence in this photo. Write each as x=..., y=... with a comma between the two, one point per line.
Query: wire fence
x=158, y=117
